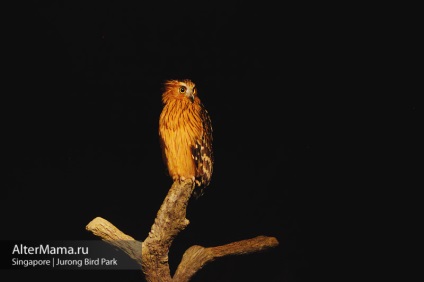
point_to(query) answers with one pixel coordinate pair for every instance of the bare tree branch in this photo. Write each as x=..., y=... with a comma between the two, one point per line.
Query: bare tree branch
x=152, y=253
x=170, y=220
x=196, y=257
x=112, y=235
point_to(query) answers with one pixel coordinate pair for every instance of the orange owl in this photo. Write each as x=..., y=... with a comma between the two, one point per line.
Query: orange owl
x=185, y=132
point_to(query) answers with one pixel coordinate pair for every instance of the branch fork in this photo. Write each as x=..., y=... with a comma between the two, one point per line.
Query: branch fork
x=152, y=253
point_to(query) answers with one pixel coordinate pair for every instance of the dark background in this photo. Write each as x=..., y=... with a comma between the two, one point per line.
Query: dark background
x=283, y=85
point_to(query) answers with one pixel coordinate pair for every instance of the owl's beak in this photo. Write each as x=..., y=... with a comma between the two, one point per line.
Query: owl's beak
x=191, y=97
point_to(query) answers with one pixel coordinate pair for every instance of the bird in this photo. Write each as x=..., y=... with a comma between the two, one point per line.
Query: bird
x=185, y=131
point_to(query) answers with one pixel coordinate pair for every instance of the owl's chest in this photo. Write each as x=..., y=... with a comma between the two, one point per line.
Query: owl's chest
x=181, y=120
x=179, y=132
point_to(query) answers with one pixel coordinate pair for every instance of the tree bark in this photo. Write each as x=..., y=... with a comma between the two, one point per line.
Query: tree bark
x=152, y=253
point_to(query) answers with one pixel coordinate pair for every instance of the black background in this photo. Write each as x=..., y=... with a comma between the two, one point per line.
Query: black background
x=292, y=129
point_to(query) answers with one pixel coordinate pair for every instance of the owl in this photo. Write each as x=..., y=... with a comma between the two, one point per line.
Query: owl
x=185, y=132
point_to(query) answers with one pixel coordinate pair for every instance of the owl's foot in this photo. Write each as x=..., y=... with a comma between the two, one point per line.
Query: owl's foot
x=183, y=178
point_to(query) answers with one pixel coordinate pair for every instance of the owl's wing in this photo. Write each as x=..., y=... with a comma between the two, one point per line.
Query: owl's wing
x=202, y=154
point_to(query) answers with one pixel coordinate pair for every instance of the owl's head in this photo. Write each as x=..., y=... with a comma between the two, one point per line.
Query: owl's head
x=179, y=89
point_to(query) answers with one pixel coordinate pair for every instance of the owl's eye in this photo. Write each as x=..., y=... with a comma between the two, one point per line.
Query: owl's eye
x=183, y=89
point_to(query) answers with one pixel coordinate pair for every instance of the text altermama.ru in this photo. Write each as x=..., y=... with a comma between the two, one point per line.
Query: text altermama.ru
x=48, y=250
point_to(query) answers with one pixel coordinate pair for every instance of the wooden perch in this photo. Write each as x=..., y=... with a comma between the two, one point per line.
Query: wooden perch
x=152, y=253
